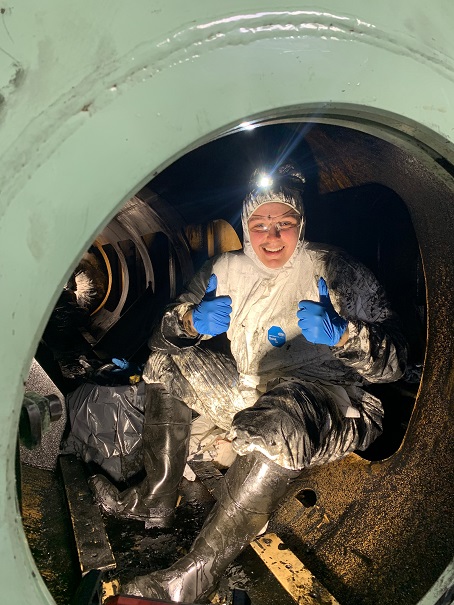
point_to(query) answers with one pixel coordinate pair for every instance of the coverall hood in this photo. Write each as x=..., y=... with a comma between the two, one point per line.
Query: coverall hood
x=286, y=189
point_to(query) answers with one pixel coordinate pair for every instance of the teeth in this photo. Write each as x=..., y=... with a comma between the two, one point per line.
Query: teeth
x=276, y=250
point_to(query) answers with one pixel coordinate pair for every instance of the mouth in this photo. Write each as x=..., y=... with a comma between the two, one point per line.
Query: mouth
x=273, y=250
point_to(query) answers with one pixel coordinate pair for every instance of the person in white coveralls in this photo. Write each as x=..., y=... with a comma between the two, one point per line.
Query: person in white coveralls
x=309, y=327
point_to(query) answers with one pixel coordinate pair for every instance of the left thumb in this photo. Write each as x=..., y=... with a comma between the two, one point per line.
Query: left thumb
x=323, y=292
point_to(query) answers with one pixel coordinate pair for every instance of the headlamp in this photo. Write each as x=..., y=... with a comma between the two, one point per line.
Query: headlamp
x=264, y=181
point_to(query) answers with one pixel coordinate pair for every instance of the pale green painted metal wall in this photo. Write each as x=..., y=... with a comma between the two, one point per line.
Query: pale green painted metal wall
x=98, y=97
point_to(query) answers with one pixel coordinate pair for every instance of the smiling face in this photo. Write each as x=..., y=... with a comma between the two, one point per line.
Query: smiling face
x=273, y=232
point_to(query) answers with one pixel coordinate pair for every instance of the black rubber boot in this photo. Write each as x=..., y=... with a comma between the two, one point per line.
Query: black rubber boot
x=165, y=438
x=251, y=491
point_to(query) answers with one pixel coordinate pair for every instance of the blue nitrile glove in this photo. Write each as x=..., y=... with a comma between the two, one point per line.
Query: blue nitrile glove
x=319, y=322
x=212, y=314
x=121, y=363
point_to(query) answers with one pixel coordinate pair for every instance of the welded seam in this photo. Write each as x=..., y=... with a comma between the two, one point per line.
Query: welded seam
x=188, y=44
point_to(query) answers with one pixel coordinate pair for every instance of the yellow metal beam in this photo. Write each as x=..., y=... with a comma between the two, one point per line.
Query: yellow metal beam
x=295, y=578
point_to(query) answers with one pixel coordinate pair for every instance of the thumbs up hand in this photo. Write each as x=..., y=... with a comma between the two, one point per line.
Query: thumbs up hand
x=318, y=321
x=212, y=314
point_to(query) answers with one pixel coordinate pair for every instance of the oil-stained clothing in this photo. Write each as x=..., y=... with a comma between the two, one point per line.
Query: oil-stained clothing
x=299, y=403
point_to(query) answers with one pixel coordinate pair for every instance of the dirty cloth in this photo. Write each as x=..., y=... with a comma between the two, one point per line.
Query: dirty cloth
x=272, y=368
x=208, y=442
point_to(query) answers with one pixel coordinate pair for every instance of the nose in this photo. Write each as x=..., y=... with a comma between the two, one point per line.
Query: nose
x=274, y=231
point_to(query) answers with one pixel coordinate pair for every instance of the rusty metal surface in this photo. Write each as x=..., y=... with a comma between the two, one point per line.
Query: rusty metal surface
x=382, y=532
x=48, y=530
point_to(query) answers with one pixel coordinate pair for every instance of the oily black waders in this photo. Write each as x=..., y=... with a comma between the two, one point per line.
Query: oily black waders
x=165, y=439
x=252, y=489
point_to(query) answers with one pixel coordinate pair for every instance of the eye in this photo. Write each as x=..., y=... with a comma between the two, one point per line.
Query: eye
x=284, y=225
x=258, y=227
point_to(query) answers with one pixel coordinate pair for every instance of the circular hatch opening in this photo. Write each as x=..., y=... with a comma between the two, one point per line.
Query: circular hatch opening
x=356, y=198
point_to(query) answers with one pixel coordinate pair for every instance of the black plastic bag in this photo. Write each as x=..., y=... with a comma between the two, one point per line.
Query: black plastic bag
x=106, y=427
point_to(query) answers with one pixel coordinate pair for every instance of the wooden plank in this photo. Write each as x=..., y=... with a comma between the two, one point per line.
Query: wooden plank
x=93, y=546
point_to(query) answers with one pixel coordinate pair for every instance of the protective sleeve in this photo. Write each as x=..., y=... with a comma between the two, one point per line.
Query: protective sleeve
x=169, y=335
x=376, y=347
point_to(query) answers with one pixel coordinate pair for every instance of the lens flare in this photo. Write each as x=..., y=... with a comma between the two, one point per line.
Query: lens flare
x=265, y=181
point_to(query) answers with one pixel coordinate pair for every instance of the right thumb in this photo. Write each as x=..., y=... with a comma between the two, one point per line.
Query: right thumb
x=210, y=292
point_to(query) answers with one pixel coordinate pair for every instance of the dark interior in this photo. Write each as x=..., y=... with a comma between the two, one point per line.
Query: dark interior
x=345, y=206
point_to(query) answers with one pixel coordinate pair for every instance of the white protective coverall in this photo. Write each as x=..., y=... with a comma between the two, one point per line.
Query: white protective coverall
x=298, y=403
